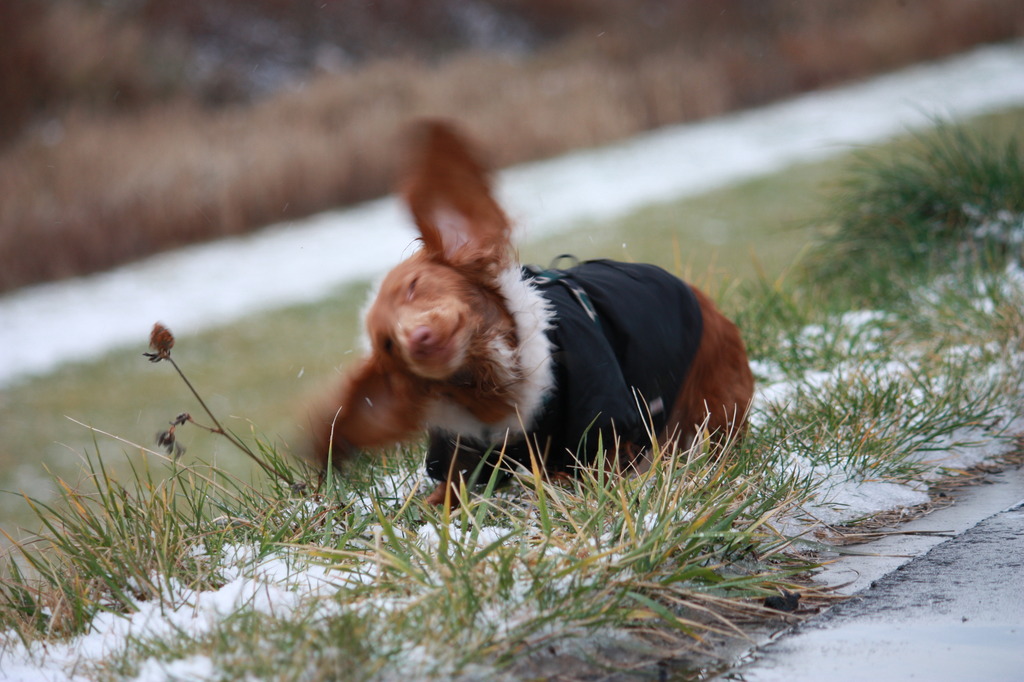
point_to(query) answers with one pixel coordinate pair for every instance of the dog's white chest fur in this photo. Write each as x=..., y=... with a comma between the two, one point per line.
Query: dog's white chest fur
x=529, y=367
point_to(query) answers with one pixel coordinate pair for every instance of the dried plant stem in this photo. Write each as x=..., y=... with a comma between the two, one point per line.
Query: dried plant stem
x=227, y=434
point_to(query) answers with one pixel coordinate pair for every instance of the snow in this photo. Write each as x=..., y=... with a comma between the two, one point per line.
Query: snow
x=208, y=285
x=430, y=537
x=212, y=284
x=277, y=584
x=1005, y=226
x=844, y=496
x=192, y=668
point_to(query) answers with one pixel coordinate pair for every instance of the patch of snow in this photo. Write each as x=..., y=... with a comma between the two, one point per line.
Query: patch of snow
x=430, y=537
x=276, y=584
x=191, y=668
x=841, y=499
x=1004, y=227
x=767, y=371
x=966, y=448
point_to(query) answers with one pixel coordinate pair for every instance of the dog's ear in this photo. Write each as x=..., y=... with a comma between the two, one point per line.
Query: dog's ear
x=374, y=408
x=448, y=190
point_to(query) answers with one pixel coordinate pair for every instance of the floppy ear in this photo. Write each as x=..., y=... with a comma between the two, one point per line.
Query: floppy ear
x=448, y=191
x=374, y=408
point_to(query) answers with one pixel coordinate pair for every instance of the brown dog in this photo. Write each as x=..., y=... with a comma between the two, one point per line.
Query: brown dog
x=497, y=360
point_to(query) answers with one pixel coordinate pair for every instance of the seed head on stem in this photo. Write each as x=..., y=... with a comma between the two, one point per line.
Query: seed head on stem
x=161, y=340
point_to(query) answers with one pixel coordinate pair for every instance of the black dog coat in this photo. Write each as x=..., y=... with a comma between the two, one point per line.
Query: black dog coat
x=623, y=336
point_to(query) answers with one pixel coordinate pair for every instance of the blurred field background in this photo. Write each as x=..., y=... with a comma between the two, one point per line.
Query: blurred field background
x=128, y=127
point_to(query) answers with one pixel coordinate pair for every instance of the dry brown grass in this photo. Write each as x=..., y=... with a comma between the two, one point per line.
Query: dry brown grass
x=99, y=190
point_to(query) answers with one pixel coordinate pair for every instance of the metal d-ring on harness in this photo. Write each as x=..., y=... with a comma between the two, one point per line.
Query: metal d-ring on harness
x=553, y=274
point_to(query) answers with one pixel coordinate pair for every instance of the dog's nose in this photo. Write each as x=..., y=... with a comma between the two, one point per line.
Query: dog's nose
x=422, y=341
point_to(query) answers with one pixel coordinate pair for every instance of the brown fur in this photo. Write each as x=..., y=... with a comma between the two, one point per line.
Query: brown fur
x=720, y=385
x=439, y=317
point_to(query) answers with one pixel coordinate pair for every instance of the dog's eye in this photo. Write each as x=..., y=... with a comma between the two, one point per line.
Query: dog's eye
x=412, y=288
x=387, y=344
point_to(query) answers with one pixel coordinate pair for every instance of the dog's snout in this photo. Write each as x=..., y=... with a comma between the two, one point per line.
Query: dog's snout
x=423, y=341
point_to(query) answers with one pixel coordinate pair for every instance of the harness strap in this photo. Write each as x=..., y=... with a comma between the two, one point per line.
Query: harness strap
x=554, y=275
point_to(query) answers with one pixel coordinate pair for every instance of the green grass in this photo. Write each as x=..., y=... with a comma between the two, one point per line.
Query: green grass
x=500, y=577
x=756, y=228
x=952, y=194
x=680, y=554
x=863, y=395
x=256, y=374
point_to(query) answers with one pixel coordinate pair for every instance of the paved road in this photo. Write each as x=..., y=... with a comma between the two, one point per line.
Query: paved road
x=954, y=613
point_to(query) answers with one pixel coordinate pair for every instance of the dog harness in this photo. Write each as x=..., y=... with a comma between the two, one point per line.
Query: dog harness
x=623, y=337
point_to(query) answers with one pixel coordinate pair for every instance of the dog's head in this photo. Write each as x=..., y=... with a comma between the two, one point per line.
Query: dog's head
x=438, y=313
x=440, y=330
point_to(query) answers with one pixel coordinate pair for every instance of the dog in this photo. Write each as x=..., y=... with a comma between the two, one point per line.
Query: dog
x=496, y=360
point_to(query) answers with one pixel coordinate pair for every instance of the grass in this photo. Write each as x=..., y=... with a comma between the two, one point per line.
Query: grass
x=854, y=392
x=355, y=578
x=757, y=228
x=949, y=195
x=499, y=578
x=287, y=357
